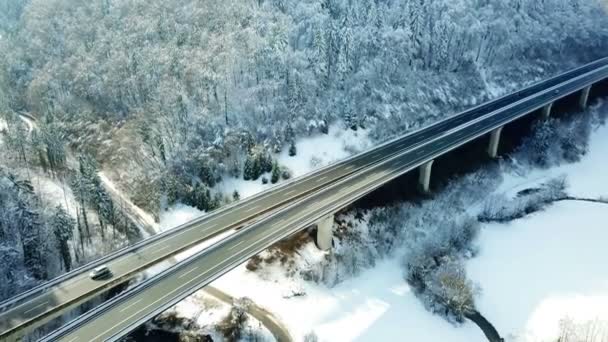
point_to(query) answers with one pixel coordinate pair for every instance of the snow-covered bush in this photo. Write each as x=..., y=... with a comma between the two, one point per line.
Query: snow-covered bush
x=498, y=208
x=449, y=292
x=311, y=337
x=234, y=326
x=555, y=141
x=591, y=331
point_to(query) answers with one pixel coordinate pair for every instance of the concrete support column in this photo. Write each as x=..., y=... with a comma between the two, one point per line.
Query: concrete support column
x=324, y=234
x=547, y=111
x=424, y=178
x=494, y=141
x=582, y=103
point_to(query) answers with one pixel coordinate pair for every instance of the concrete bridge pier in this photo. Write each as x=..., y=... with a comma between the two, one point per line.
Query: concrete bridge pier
x=424, y=178
x=582, y=103
x=324, y=234
x=547, y=111
x=494, y=141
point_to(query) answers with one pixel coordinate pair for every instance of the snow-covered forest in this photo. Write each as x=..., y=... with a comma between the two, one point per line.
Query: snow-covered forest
x=184, y=93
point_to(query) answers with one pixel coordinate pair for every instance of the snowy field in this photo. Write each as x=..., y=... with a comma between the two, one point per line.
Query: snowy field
x=533, y=272
x=539, y=270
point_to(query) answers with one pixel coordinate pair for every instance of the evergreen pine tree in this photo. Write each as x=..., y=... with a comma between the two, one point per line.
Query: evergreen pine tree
x=276, y=173
x=292, y=149
x=248, y=170
x=62, y=225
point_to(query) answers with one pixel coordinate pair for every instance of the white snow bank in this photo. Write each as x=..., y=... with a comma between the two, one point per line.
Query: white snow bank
x=544, y=268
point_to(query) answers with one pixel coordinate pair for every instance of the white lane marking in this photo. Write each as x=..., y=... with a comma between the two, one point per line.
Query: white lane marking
x=235, y=246
x=267, y=235
x=158, y=300
x=185, y=274
x=252, y=209
x=349, y=167
x=321, y=179
x=290, y=192
x=162, y=248
x=74, y=339
x=211, y=226
x=36, y=307
x=130, y=305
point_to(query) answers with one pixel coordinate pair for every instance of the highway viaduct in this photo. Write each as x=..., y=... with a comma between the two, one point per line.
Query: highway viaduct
x=577, y=101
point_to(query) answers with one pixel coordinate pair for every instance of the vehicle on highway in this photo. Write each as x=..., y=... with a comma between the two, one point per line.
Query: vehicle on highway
x=101, y=272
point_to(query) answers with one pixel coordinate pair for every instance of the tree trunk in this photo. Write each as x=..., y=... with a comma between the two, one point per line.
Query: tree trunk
x=485, y=326
x=85, y=220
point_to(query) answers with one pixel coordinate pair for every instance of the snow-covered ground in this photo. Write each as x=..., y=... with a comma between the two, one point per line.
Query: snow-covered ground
x=375, y=306
x=539, y=270
x=178, y=215
x=312, y=153
x=533, y=272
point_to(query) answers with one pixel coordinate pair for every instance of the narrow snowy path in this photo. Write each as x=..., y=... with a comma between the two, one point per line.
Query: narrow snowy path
x=144, y=221
x=276, y=327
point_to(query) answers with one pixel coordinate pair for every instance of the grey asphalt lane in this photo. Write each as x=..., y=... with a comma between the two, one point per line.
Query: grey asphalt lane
x=116, y=318
x=38, y=306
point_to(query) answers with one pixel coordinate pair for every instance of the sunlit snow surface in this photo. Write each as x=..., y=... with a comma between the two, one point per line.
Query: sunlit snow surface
x=539, y=270
x=178, y=215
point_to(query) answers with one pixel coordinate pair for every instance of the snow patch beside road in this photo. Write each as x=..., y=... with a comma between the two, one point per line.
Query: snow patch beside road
x=178, y=215
x=321, y=150
x=313, y=153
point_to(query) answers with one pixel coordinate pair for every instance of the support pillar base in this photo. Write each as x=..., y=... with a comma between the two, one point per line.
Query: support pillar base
x=324, y=233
